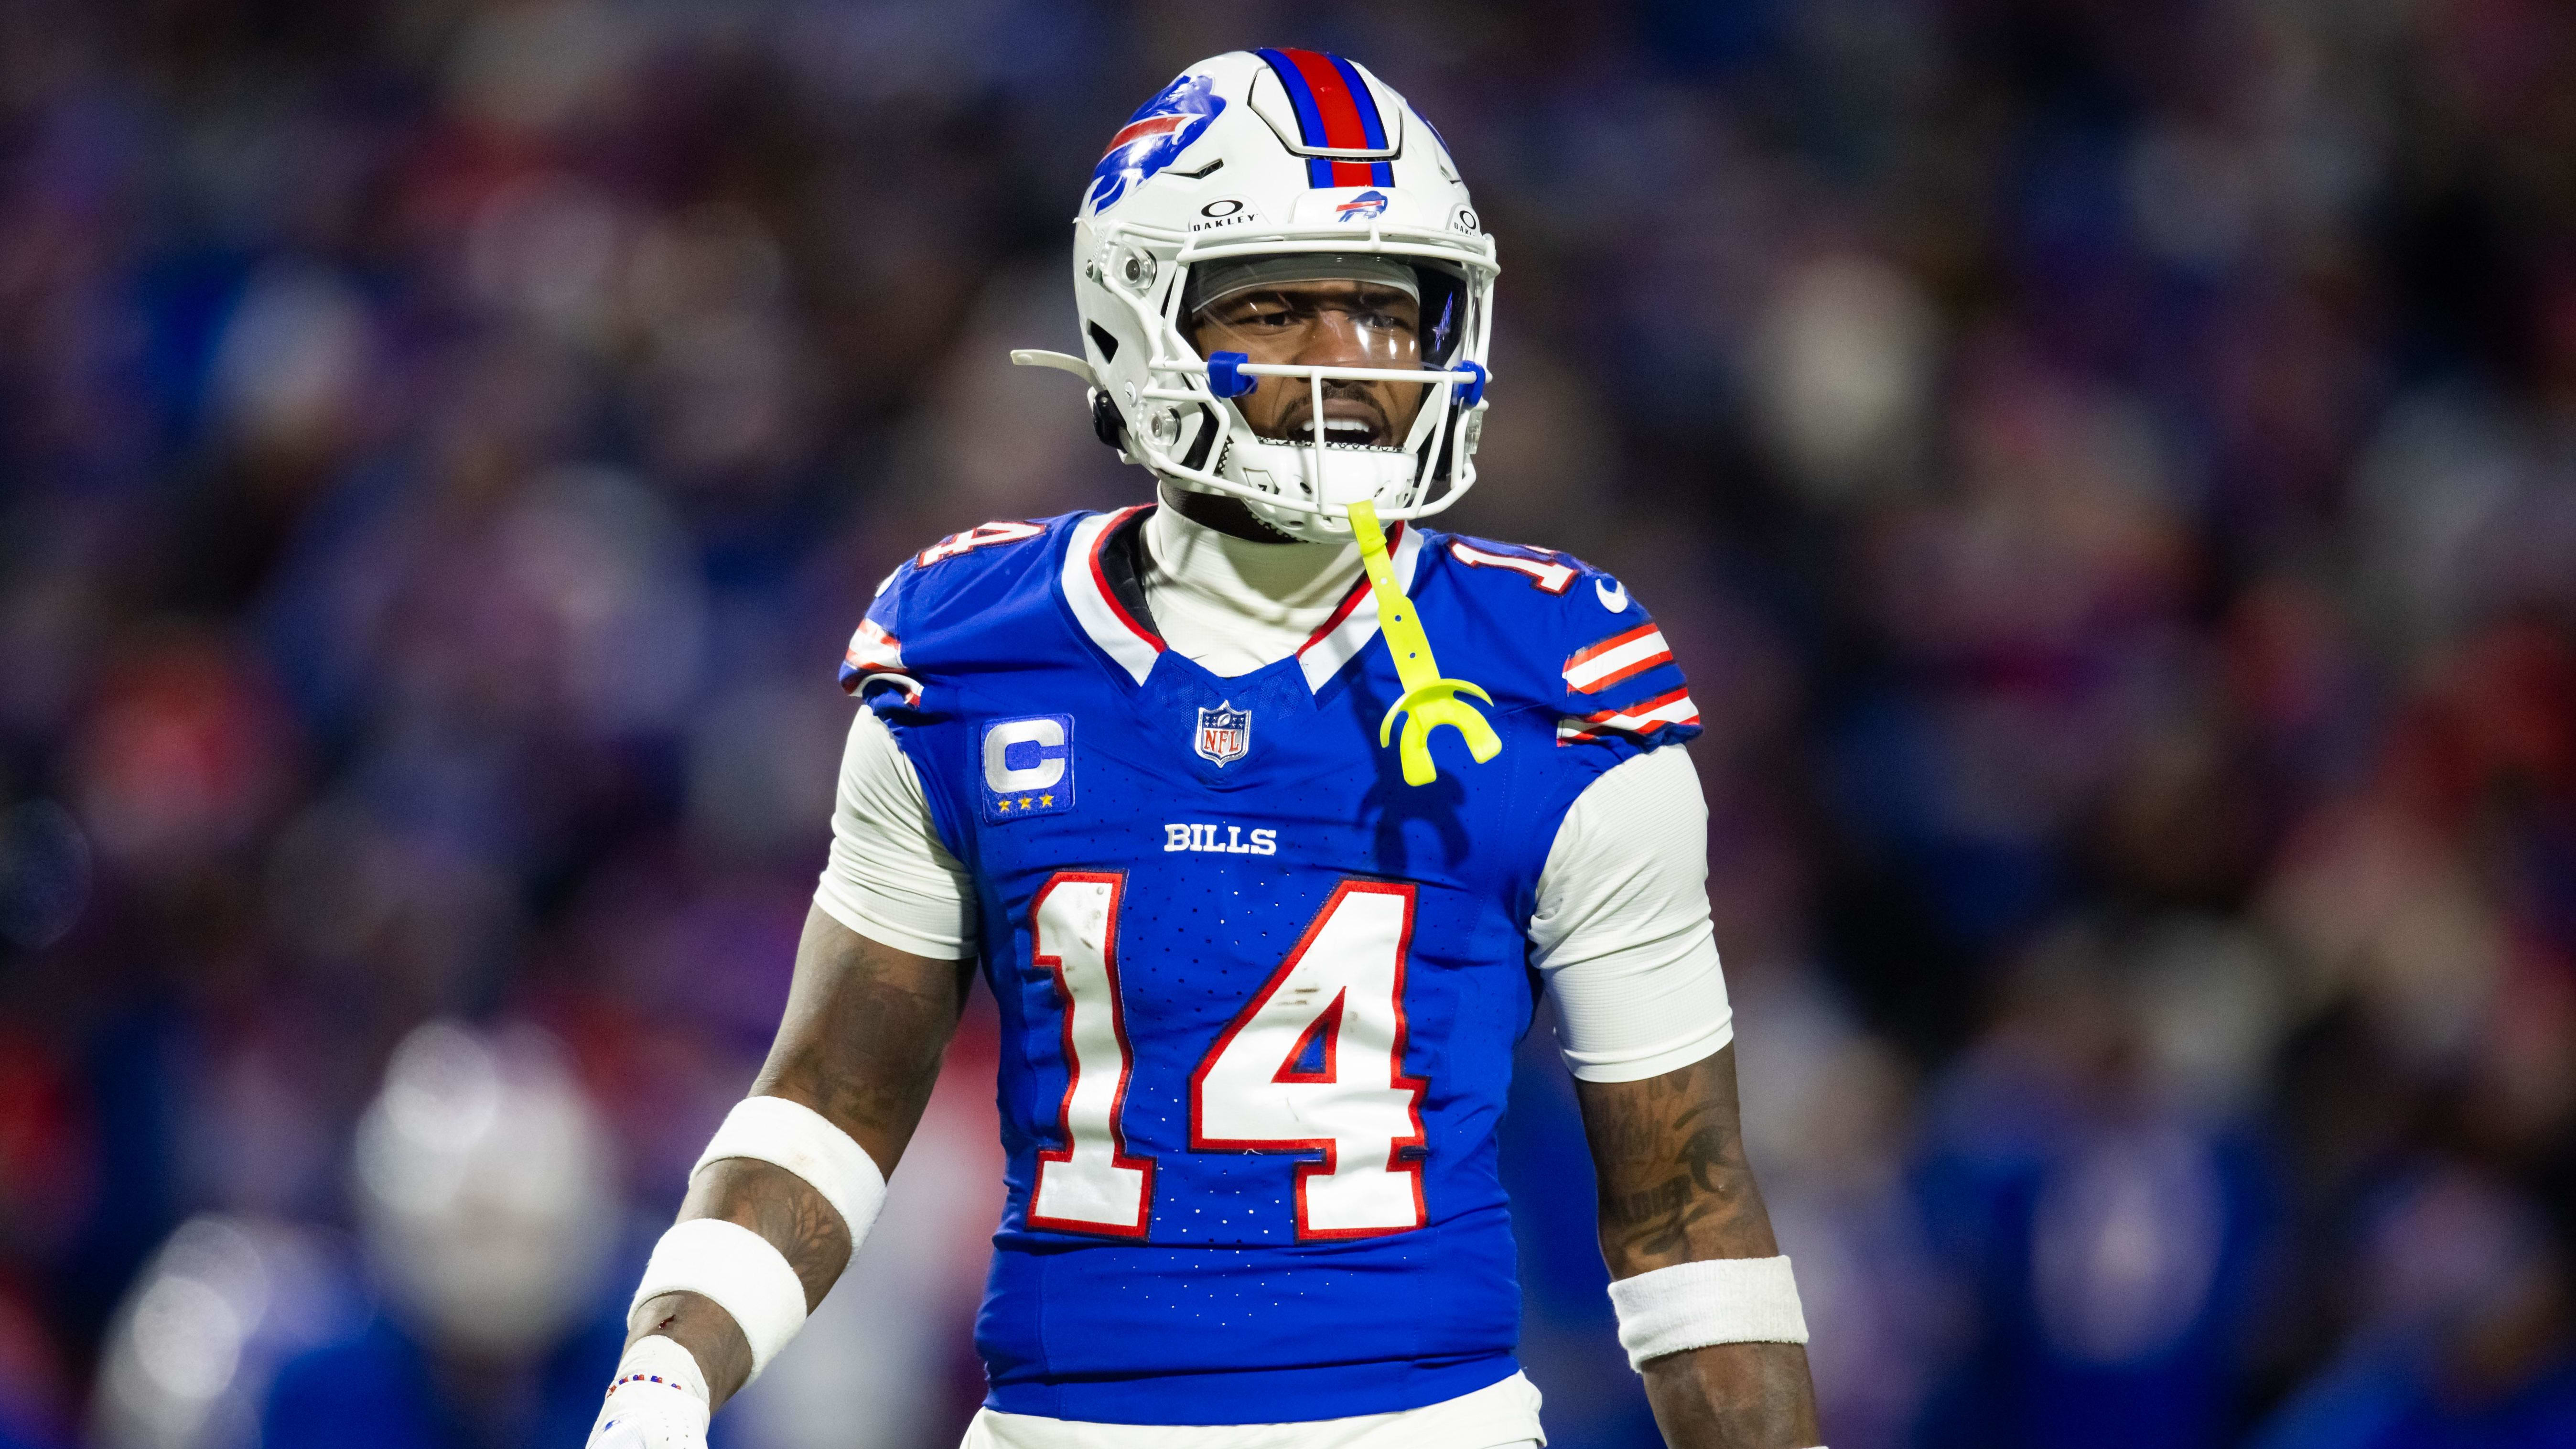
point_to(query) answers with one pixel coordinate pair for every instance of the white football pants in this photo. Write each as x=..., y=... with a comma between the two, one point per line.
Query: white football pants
x=1499, y=1416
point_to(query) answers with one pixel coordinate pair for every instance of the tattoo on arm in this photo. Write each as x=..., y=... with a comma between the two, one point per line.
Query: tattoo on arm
x=861, y=1041
x=1675, y=1188
x=1669, y=1153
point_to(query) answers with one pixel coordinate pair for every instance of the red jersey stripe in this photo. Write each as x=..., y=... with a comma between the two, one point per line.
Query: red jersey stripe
x=1595, y=651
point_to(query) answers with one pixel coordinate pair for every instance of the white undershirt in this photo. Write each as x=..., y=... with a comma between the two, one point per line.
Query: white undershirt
x=1621, y=930
x=1232, y=605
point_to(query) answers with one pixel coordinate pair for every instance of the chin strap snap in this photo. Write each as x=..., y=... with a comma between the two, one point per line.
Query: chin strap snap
x=1429, y=701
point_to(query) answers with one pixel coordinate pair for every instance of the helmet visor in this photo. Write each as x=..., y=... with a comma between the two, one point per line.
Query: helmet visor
x=1437, y=294
x=1318, y=308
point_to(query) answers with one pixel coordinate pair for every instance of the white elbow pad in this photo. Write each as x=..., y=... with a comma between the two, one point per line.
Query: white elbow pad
x=795, y=1137
x=1720, y=1300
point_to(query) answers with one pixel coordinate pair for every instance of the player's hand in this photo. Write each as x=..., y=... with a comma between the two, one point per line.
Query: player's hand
x=644, y=1415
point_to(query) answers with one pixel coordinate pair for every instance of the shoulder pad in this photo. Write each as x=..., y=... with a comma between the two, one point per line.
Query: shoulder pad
x=949, y=606
x=1576, y=642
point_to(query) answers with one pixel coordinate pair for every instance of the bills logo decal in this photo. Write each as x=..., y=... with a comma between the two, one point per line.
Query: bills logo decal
x=1154, y=138
x=1363, y=207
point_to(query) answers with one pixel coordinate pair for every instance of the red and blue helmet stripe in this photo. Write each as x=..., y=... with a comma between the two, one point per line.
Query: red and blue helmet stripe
x=1335, y=108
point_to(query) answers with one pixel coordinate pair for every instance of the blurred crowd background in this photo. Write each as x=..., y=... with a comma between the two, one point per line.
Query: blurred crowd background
x=2109, y=467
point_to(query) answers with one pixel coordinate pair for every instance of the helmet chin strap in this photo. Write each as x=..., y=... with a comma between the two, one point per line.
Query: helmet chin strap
x=1223, y=512
x=1429, y=701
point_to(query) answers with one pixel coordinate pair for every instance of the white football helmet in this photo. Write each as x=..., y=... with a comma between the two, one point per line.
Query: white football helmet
x=1278, y=154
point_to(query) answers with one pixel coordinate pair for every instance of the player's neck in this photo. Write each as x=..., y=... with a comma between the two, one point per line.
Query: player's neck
x=1225, y=566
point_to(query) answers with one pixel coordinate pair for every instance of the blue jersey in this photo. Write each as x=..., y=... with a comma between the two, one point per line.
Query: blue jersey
x=1258, y=996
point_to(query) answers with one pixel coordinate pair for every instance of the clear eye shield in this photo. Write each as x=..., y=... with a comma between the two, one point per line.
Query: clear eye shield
x=1406, y=315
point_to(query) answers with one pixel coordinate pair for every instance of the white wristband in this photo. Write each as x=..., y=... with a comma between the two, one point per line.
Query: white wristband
x=743, y=1272
x=794, y=1136
x=1719, y=1300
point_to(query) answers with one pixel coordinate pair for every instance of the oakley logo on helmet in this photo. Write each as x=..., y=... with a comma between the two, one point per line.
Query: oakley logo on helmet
x=1224, y=212
x=1362, y=207
x=1154, y=138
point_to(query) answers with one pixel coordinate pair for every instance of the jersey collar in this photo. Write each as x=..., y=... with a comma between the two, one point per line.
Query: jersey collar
x=1341, y=637
x=1132, y=644
x=1085, y=586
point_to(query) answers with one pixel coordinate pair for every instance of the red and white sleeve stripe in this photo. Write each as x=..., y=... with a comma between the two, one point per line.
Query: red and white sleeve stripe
x=872, y=648
x=1674, y=708
x=1596, y=667
x=876, y=654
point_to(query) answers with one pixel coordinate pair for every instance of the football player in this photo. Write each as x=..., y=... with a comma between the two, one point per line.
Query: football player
x=1259, y=966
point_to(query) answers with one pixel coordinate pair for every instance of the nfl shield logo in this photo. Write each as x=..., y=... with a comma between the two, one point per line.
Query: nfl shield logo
x=1225, y=733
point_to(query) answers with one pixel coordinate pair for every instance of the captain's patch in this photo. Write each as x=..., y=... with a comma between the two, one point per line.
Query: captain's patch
x=1027, y=767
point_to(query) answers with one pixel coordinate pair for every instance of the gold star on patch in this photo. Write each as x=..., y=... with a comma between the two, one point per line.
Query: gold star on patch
x=1005, y=805
x=1046, y=800
x=1024, y=802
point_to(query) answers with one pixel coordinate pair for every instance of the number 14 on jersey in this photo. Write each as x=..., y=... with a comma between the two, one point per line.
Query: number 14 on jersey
x=1338, y=1000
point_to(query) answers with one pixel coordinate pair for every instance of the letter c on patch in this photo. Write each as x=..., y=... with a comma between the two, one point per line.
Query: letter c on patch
x=1024, y=754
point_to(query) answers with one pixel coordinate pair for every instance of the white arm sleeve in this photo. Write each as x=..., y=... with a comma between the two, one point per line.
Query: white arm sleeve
x=1622, y=931
x=889, y=878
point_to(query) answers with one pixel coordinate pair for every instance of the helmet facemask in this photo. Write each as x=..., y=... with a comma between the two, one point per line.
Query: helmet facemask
x=1193, y=422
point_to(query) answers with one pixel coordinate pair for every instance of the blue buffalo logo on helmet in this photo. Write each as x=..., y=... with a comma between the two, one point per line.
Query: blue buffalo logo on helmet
x=1154, y=138
x=1363, y=207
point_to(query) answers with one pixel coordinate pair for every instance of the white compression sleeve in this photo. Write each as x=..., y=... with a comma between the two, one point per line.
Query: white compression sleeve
x=1622, y=931
x=889, y=878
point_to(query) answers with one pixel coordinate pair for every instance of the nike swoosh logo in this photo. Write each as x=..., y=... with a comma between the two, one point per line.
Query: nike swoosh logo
x=1614, y=594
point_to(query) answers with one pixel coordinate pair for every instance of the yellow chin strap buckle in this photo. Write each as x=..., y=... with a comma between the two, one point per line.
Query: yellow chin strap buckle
x=1429, y=700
